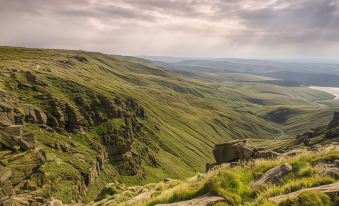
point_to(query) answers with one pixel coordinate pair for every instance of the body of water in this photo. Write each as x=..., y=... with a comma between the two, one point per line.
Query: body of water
x=332, y=90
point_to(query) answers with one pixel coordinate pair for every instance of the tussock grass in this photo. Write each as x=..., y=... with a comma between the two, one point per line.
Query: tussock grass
x=234, y=184
x=308, y=198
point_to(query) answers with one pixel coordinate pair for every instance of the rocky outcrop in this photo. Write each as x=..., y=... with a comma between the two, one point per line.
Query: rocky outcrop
x=273, y=175
x=82, y=110
x=62, y=115
x=80, y=59
x=13, y=136
x=20, y=167
x=335, y=121
x=138, y=110
x=238, y=151
x=94, y=171
x=232, y=152
x=19, y=114
x=118, y=141
x=98, y=108
x=34, y=79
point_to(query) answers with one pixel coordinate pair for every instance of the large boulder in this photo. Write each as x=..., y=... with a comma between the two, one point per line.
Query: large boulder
x=7, y=140
x=273, y=175
x=232, y=151
x=237, y=150
x=13, y=136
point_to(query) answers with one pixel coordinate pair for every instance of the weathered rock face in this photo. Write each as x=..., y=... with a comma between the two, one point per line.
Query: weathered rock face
x=126, y=141
x=20, y=166
x=62, y=115
x=118, y=142
x=273, y=175
x=10, y=115
x=97, y=109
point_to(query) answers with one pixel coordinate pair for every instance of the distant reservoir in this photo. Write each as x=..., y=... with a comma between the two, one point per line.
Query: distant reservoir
x=332, y=90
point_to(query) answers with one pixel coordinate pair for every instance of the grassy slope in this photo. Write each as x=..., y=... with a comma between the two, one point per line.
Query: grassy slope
x=192, y=115
x=234, y=184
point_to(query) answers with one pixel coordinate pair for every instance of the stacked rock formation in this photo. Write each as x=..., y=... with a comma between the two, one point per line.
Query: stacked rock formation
x=20, y=167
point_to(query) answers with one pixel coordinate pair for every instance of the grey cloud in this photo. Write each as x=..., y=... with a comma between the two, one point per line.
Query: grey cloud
x=169, y=26
x=110, y=11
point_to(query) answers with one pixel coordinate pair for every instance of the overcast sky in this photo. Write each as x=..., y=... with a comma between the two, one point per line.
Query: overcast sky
x=204, y=28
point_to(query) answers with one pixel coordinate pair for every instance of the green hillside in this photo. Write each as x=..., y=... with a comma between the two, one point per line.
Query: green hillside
x=151, y=122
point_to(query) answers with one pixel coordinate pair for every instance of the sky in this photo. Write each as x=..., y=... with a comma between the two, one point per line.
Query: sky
x=265, y=29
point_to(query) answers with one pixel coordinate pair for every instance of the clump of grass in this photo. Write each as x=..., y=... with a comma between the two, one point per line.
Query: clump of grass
x=329, y=157
x=230, y=185
x=308, y=198
x=295, y=184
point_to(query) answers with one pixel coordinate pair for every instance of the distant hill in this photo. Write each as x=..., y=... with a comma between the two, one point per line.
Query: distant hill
x=319, y=74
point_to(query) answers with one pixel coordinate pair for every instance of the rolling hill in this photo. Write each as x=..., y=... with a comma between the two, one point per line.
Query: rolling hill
x=100, y=118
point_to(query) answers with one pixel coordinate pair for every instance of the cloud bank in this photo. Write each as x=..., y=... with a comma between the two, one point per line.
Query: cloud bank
x=209, y=28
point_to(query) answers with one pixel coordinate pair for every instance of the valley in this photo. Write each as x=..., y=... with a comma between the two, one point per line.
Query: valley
x=169, y=103
x=101, y=119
